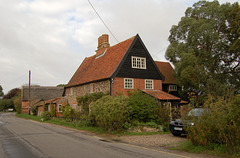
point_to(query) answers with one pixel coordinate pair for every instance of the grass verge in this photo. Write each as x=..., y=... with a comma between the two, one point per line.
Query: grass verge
x=214, y=149
x=80, y=126
x=63, y=122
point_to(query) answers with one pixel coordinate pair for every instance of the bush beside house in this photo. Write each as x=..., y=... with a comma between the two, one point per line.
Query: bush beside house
x=220, y=126
x=110, y=112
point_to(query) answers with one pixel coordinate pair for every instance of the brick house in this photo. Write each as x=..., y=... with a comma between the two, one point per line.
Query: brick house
x=169, y=85
x=118, y=69
x=38, y=95
x=57, y=103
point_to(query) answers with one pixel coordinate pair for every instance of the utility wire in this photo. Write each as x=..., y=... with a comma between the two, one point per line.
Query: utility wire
x=103, y=21
x=159, y=51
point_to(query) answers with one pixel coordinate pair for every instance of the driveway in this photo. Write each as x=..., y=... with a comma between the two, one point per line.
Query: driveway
x=158, y=140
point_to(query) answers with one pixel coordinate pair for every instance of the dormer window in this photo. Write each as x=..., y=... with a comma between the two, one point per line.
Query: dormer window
x=138, y=62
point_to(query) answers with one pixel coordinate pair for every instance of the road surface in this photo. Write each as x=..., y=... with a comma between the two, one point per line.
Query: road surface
x=21, y=138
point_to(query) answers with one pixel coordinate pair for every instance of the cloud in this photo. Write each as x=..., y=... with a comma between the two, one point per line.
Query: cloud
x=51, y=38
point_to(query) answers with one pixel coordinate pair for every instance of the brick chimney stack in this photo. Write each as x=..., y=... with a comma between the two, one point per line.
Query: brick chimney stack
x=103, y=44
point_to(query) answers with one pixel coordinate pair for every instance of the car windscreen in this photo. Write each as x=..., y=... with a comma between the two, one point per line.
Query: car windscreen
x=196, y=112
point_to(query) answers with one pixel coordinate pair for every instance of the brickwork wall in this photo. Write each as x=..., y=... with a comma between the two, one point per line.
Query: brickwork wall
x=63, y=102
x=40, y=110
x=101, y=86
x=118, y=86
x=25, y=107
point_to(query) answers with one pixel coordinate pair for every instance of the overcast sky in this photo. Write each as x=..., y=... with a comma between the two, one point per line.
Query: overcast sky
x=52, y=37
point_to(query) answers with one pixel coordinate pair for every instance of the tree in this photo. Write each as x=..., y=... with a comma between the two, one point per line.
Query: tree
x=61, y=85
x=204, y=48
x=17, y=103
x=12, y=100
x=1, y=91
x=12, y=93
x=5, y=104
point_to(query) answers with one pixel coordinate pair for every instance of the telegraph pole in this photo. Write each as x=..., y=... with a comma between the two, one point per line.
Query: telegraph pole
x=29, y=91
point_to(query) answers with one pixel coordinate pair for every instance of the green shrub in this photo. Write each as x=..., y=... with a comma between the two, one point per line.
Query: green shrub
x=84, y=101
x=220, y=125
x=17, y=104
x=5, y=104
x=52, y=110
x=45, y=107
x=45, y=116
x=69, y=112
x=111, y=113
x=144, y=107
x=34, y=110
x=163, y=113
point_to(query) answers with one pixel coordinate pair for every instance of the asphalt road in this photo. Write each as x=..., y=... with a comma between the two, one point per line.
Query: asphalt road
x=21, y=138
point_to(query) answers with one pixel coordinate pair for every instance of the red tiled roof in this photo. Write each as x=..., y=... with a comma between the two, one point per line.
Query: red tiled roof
x=34, y=102
x=161, y=95
x=52, y=100
x=98, y=68
x=183, y=102
x=166, y=69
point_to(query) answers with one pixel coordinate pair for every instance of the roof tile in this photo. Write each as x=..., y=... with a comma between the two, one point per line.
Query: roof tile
x=166, y=69
x=102, y=67
x=161, y=95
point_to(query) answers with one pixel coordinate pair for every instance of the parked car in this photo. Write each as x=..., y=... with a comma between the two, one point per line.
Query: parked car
x=178, y=126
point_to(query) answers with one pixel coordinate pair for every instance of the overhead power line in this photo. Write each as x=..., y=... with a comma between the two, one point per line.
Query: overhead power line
x=159, y=51
x=103, y=21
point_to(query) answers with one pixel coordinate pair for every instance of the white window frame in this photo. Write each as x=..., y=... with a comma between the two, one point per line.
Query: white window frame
x=149, y=85
x=138, y=62
x=172, y=87
x=127, y=82
x=92, y=88
x=49, y=108
x=59, y=107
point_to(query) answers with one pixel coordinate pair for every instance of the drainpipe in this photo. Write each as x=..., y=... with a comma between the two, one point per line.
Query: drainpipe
x=110, y=86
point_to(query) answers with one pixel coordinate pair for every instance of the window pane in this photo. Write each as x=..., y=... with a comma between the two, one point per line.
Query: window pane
x=139, y=62
x=148, y=84
x=128, y=83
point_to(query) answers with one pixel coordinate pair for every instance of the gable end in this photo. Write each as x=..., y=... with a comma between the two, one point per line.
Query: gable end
x=126, y=69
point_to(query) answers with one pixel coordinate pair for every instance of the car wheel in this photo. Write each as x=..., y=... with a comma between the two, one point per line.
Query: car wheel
x=176, y=134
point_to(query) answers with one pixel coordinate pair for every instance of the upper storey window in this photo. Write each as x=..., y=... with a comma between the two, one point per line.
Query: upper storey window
x=138, y=62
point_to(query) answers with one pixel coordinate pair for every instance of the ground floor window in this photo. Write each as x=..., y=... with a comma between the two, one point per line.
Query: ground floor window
x=148, y=84
x=49, y=108
x=128, y=83
x=74, y=106
x=92, y=88
x=59, y=108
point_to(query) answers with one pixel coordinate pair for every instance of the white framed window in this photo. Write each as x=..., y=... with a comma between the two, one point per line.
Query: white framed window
x=49, y=108
x=71, y=91
x=149, y=84
x=92, y=88
x=59, y=107
x=128, y=83
x=138, y=62
x=172, y=87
